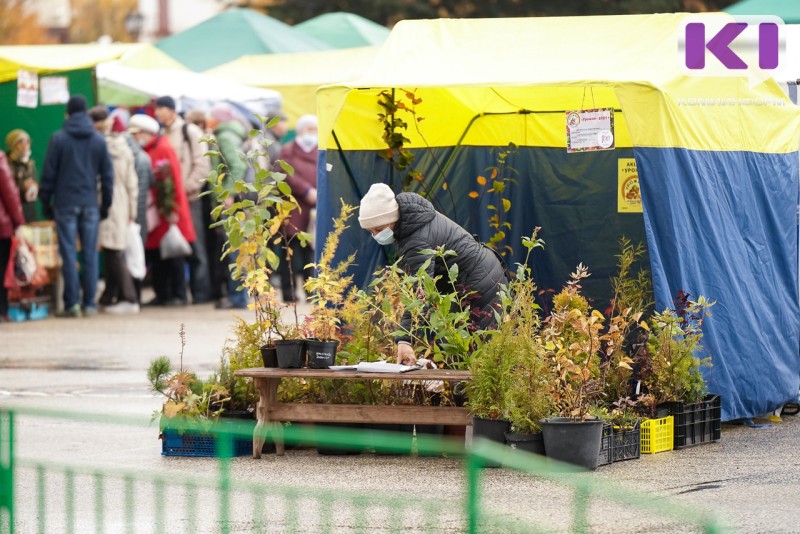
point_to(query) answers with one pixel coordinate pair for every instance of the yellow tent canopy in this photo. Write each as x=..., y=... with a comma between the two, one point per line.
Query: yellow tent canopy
x=46, y=59
x=298, y=76
x=545, y=66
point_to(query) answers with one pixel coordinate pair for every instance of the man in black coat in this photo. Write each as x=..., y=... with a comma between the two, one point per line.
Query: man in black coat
x=412, y=223
x=76, y=157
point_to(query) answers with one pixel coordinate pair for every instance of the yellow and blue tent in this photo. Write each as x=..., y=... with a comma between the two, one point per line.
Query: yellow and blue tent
x=717, y=163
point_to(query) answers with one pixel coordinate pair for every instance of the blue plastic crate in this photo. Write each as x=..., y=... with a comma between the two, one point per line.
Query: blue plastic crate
x=32, y=311
x=173, y=443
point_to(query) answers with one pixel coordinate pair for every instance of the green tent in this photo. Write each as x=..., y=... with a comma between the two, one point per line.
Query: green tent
x=232, y=34
x=344, y=30
x=77, y=64
x=787, y=10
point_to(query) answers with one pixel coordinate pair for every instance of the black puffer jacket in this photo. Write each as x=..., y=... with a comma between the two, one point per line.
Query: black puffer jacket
x=421, y=227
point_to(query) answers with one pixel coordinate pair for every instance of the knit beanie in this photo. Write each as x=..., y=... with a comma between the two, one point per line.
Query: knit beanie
x=117, y=126
x=378, y=207
x=14, y=137
x=76, y=104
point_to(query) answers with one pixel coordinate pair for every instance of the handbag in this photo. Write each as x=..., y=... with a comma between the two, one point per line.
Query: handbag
x=134, y=252
x=173, y=244
x=23, y=274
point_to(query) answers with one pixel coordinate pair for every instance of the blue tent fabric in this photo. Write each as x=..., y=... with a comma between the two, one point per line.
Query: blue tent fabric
x=724, y=226
x=572, y=197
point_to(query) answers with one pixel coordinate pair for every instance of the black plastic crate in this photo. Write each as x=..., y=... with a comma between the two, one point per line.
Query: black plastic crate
x=619, y=445
x=695, y=423
x=626, y=444
x=173, y=443
x=606, y=450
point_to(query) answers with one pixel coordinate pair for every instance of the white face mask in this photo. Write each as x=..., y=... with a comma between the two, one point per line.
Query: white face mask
x=26, y=157
x=307, y=141
x=384, y=237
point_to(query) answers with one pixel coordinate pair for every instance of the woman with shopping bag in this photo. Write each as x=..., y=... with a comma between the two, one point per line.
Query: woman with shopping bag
x=119, y=295
x=167, y=206
x=11, y=218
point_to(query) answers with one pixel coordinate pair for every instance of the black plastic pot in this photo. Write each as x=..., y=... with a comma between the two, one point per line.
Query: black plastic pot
x=291, y=353
x=574, y=442
x=321, y=354
x=526, y=442
x=491, y=429
x=270, y=355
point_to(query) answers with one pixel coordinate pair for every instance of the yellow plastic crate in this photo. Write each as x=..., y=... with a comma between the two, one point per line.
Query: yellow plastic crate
x=657, y=435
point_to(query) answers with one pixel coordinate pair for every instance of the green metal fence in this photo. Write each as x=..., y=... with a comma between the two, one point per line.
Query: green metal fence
x=104, y=474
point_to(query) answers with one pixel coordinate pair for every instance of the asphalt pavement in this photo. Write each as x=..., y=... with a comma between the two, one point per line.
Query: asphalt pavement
x=750, y=480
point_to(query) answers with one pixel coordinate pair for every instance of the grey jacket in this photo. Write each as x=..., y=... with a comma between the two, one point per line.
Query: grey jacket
x=421, y=227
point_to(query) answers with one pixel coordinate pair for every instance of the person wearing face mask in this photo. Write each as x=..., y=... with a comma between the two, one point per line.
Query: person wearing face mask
x=301, y=153
x=411, y=223
x=18, y=145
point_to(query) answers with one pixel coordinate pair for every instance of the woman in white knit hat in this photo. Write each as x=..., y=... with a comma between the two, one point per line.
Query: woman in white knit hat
x=412, y=224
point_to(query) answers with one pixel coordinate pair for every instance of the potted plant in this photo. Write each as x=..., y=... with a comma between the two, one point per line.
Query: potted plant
x=671, y=372
x=328, y=290
x=190, y=409
x=252, y=211
x=511, y=363
x=571, y=339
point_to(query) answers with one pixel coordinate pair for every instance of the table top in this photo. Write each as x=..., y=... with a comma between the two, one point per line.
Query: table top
x=419, y=374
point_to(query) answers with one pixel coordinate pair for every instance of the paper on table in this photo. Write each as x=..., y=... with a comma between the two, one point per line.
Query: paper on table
x=375, y=367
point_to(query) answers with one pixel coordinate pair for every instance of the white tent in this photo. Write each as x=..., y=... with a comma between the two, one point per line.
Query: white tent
x=128, y=86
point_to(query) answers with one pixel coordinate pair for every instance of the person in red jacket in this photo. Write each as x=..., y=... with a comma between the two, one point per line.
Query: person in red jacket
x=301, y=153
x=11, y=218
x=167, y=204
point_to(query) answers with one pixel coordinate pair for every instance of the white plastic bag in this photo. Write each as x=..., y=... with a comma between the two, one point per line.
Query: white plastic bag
x=173, y=244
x=134, y=252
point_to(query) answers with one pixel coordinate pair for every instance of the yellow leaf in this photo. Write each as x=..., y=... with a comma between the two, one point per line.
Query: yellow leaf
x=644, y=325
x=625, y=366
x=473, y=194
x=444, y=186
x=506, y=205
x=172, y=408
x=494, y=173
x=481, y=180
x=596, y=313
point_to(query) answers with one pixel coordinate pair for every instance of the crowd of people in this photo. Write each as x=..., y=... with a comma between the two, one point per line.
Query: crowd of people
x=111, y=179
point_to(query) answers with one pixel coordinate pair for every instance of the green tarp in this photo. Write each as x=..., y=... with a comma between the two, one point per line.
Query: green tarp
x=787, y=10
x=344, y=30
x=232, y=34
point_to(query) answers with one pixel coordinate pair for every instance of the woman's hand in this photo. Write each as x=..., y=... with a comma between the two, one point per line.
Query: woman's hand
x=405, y=354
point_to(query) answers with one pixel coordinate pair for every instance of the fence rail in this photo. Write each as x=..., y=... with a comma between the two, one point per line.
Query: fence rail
x=223, y=495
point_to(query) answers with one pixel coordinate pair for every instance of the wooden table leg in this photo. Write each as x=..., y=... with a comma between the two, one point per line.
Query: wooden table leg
x=268, y=395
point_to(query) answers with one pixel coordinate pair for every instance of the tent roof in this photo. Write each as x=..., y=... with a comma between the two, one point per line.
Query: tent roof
x=788, y=10
x=232, y=34
x=307, y=68
x=503, y=65
x=344, y=30
x=119, y=84
x=46, y=59
x=298, y=76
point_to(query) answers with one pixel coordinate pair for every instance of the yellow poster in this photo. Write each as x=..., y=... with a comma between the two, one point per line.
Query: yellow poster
x=629, y=196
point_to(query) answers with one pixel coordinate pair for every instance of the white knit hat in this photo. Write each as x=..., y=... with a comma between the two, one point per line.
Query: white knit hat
x=143, y=123
x=378, y=207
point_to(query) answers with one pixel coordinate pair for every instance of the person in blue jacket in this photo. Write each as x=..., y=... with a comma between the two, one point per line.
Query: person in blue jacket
x=77, y=157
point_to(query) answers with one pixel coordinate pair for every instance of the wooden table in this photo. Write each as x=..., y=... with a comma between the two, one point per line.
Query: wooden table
x=270, y=412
